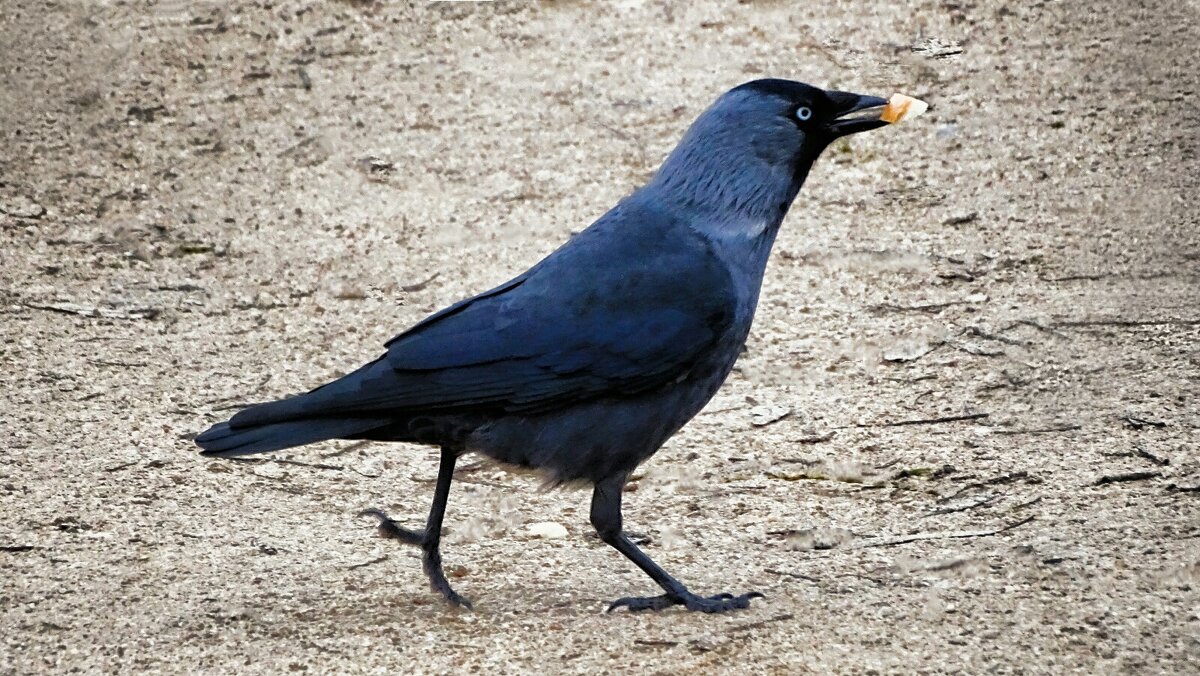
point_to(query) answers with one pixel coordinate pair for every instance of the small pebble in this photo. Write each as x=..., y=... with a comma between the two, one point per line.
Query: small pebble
x=547, y=529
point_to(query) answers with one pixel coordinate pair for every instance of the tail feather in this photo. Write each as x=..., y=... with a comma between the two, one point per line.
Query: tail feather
x=314, y=403
x=224, y=441
x=283, y=410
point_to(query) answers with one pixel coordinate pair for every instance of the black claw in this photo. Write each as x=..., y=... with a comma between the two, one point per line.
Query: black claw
x=455, y=599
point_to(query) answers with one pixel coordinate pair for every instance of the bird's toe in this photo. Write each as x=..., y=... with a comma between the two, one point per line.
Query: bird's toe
x=640, y=603
x=455, y=599
x=393, y=531
x=437, y=580
x=713, y=604
x=721, y=602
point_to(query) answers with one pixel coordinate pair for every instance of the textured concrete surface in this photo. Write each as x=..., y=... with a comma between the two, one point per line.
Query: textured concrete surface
x=204, y=206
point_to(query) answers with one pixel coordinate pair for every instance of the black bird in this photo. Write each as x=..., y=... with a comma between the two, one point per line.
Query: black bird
x=587, y=363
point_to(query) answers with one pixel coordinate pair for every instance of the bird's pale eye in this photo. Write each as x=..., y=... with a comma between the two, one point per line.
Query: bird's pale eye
x=803, y=113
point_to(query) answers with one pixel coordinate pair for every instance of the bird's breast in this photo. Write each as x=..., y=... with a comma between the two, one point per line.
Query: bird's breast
x=744, y=250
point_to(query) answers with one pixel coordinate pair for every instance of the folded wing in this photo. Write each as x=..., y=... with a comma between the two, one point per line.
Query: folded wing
x=583, y=324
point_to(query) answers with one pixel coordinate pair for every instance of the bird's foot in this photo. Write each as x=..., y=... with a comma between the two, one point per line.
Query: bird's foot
x=431, y=560
x=437, y=581
x=712, y=604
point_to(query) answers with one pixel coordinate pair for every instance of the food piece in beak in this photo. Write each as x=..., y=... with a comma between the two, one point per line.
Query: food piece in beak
x=900, y=107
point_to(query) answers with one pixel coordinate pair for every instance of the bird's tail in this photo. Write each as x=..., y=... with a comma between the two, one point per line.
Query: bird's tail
x=224, y=441
x=295, y=421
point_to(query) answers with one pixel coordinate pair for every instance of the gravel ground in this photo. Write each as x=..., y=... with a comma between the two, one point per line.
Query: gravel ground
x=963, y=436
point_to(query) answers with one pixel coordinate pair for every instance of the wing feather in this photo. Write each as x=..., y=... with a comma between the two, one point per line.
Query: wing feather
x=622, y=308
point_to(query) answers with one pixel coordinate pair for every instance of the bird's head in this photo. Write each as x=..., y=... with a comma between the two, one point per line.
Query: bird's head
x=752, y=149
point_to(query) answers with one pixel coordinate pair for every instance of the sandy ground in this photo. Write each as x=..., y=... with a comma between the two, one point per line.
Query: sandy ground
x=202, y=207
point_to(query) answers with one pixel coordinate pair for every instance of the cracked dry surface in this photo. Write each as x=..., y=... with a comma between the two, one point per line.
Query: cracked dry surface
x=962, y=438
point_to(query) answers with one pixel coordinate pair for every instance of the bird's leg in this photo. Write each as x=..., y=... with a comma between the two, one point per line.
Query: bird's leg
x=606, y=518
x=429, y=539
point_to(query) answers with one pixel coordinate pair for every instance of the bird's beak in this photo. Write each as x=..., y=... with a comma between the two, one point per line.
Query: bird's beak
x=854, y=113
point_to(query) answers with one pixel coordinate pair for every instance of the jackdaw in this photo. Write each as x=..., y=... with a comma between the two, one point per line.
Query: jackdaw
x=584, y=365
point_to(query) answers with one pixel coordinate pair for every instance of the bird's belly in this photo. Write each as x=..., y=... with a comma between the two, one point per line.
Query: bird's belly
x=594, y=440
